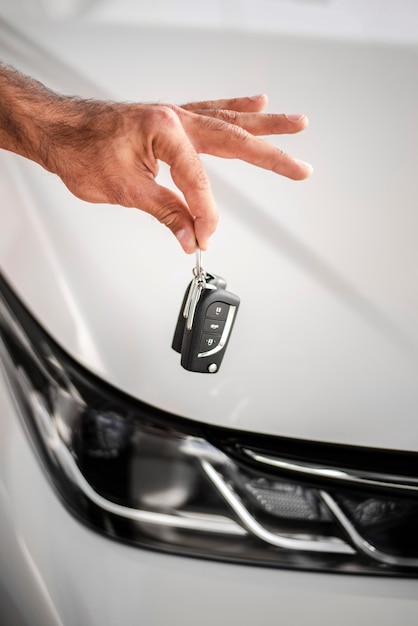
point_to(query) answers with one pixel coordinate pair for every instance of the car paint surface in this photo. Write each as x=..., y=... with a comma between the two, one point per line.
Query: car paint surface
x=326, y=343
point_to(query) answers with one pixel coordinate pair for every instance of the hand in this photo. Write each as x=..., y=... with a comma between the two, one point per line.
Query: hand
x=115, y=159
x=109, y=152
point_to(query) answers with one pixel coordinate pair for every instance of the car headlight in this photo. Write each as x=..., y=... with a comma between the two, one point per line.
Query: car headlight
x=142, y=475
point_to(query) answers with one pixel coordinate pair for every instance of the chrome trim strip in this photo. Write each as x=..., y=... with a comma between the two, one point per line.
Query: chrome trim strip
x=352, y=477
x=225, y=334
x=320, y=544
x=361, y=544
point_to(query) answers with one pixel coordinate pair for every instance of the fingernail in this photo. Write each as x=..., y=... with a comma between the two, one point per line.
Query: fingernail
x=187, y=240
x=259, y=96
x=305, y=165
x=295, y=117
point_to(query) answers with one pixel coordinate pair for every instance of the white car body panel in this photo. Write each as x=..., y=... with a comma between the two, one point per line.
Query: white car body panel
x=326, y=342
x=324, y=268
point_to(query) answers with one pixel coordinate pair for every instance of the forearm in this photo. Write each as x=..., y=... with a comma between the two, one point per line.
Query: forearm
x=25, y=107
x=38, y=123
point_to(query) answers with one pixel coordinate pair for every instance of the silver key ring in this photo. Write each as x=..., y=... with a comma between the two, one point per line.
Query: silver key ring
x=198, y=271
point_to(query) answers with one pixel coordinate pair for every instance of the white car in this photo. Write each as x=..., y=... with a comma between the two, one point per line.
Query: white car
x=281, y=489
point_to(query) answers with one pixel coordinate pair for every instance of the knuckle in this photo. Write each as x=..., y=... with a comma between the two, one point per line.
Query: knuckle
x=162, y=116
x=238, y=133
x=215, y=118
x=201, y=180
x=192, y=169
x=232, y=117
x=220, y=119
x=169, y=214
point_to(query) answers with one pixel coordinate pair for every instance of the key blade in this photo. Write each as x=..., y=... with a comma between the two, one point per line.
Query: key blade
x=198, y=287
x=189, y=299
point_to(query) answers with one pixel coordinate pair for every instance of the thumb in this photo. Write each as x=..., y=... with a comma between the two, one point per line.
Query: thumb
x=171, y=210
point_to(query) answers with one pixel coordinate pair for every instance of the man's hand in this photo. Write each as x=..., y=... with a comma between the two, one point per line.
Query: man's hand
x=109, y=152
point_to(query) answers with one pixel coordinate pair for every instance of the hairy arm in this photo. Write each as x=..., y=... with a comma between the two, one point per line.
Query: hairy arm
x=49, y=128
x=109, y=152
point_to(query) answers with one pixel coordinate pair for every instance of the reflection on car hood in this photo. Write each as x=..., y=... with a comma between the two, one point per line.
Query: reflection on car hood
x=325, y=346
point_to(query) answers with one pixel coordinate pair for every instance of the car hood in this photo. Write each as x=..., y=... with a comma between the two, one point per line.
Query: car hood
x=325, y=346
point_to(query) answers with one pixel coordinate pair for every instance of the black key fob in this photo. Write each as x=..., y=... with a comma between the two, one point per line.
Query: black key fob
x=218, y=282
x=204, y=344
x=205, y=321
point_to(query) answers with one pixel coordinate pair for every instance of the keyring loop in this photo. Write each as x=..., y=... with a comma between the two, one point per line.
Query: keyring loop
x=198, y=271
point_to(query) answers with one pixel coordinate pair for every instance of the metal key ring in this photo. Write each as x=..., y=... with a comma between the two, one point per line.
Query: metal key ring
x=198, y=271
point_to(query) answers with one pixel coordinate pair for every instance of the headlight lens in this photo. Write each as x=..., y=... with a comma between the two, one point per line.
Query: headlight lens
x=153, y=479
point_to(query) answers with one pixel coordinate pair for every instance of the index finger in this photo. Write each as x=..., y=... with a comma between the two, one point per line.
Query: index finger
x=219, y=138
x=171, y=144
x=190, y=177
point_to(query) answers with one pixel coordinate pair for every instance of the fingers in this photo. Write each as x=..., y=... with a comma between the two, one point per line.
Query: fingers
x=259, y=123
x=245, y=112
x=226, y=133
x=189, y=175
x=224, y=128
x=169, y=209
x=231, y=133
x=222, y=139
x=192, y=222
x=173, y=146
x=245, y=104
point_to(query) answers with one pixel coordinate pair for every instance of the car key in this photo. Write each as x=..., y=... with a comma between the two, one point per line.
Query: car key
x=206, y=320
x=213, y=279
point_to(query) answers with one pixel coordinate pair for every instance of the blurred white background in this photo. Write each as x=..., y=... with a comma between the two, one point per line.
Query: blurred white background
x=369, y=20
